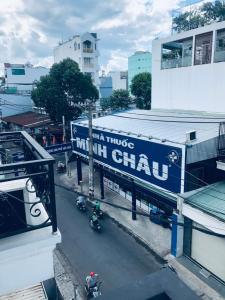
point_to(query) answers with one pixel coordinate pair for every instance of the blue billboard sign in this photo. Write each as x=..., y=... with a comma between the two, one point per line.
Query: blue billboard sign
x=157, y=163
x=59, y=148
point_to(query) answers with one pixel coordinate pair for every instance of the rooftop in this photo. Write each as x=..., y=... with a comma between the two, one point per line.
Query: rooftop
x=169, y=125
x=28, y=119
x=209, y=199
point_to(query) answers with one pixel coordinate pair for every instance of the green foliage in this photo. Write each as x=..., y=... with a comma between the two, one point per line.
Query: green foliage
x=63, y=91
x=209, y=12
x=105, y=103
x=120, y=99
x=141, y=88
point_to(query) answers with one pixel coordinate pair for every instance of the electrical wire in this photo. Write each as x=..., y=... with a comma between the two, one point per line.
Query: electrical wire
x=177, y=116
x=167, y=121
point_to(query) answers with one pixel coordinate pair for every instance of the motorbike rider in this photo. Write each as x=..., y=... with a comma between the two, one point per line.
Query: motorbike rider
x=92, y=280
x=96, y=206
x=81, y=201
x=60, y=165
x=94, y=219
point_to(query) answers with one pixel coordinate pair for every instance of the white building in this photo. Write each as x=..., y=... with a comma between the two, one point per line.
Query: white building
x=188, y=70
x=83, y=49
x=119, y=80
x=20, y=78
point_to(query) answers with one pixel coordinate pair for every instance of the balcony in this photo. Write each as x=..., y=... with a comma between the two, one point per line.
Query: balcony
x=88, y=50
x=27, y=194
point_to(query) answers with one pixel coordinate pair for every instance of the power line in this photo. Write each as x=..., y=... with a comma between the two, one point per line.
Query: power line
x=178, y=117
x=167, y=121
x=147, y=215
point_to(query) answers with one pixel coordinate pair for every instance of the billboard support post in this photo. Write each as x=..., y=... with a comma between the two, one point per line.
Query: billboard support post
x=79, y=170
x=102, y=183
x=90, y=152
x=134, y=215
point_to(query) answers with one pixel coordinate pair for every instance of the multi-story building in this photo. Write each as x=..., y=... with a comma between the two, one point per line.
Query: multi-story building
x=188, y=70
x=83, y=49
x=20, y=78
x=139, y=62
x=119, y=80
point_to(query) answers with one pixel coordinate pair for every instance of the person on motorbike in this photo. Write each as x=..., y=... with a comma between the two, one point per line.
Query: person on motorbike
x=60, y=165
x=92, y=280
x=94, y=219
x=96, y=206
x=81, y=201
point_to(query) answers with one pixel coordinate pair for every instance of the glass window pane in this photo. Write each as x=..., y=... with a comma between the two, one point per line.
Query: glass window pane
x=18, y=71
x=177, y=54
x=220, y=46
x=203, y=48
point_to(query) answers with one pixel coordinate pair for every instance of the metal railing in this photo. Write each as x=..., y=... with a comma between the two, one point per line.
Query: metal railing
x=19, y=213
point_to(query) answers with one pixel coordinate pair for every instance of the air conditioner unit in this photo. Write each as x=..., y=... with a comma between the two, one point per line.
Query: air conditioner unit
x=191, y=136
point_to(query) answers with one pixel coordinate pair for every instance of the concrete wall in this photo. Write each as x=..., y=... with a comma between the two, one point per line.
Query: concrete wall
x=197, y=87
x=26, y=258
x=118, y=82
x=31, y=74
x=139, y=62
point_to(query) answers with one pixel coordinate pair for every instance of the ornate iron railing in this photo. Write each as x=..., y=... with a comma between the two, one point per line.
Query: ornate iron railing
x=34, y=208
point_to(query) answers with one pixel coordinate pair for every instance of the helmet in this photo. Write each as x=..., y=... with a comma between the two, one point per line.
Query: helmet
x=92, y=274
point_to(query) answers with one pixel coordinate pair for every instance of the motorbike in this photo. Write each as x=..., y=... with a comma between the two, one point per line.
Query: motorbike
x=93, y=292
x=95, y=225
x=61, y=169
x=98, y=212
x=81, y=205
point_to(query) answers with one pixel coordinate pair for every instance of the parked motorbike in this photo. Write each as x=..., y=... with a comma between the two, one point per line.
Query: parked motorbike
x=61, y=168
x=93, y=292
x=81, y=205
x=95, y=225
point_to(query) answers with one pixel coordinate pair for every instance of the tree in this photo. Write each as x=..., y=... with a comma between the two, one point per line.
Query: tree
x=120, y=99
x=105, y=103
x=141, y=89
x=64, y=91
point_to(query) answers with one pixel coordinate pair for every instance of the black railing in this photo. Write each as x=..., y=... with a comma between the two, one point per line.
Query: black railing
x=17, y=212
x=221, y=142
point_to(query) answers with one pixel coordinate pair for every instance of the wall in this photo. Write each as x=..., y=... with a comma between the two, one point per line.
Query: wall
x=31, y=74
x=198, y=87
x=118, y=82
x=138, y=63
x=27, y=258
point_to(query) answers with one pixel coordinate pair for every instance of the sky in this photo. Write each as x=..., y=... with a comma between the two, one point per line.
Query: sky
x=30, y=29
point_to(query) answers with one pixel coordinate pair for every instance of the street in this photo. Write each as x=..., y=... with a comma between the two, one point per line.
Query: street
x=113, y=254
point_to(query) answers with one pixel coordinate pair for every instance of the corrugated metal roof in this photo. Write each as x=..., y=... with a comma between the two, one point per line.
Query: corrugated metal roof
x=35, y=292
x=163, y=124
x=210, y=199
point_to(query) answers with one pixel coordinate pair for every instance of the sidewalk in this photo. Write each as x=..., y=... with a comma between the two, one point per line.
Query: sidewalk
x=155, y=237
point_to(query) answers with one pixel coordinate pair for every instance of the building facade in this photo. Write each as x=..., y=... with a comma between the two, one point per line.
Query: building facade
x=105, y=87
x=20, y=78
x=188, y=70
x=139, y=62
x=119, y=80
x=83, y=49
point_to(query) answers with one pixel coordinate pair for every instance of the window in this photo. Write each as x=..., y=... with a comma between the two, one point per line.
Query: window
x=75, y=46
x=79, y=46
x=220, y=46
x=177, y=54
x=18, y=71
x=87, y=47
x=88, y=62
x=203, y=48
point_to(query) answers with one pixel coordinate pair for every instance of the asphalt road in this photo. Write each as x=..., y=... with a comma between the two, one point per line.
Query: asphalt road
x=113, y=254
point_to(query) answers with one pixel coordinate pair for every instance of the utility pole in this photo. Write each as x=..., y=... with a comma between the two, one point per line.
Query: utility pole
x=64, y=140
x=90, y=147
